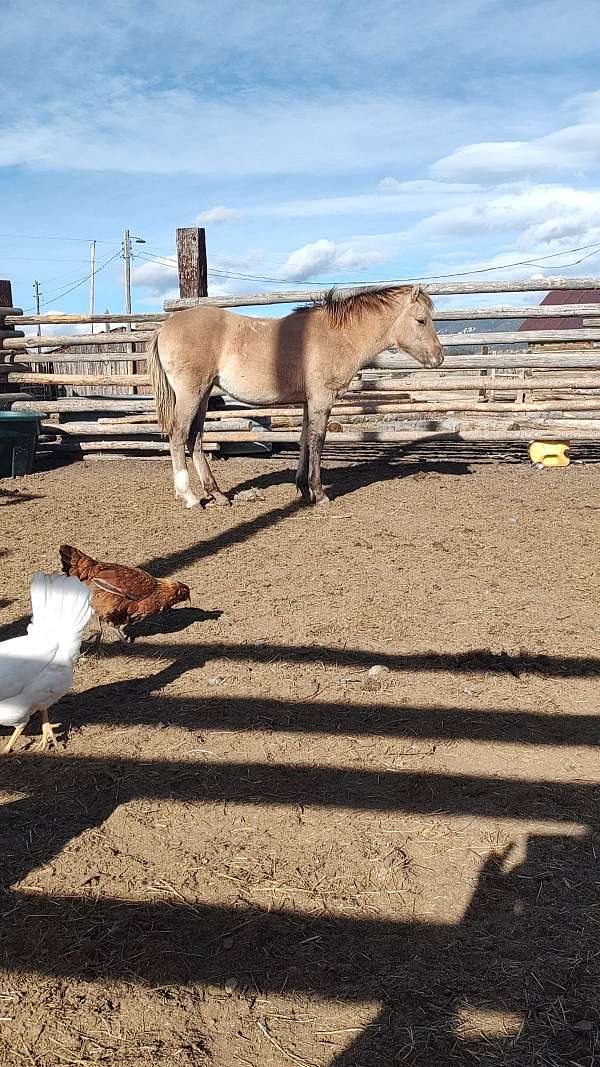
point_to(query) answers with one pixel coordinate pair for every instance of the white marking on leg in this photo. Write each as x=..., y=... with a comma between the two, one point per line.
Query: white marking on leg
x=182, y=489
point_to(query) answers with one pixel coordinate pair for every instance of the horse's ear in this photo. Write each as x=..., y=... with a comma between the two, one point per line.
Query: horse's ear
x=415, y=293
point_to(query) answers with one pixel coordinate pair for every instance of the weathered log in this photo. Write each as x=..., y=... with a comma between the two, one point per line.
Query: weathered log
x=60, y=318
x=141, y=457
x=13, y=318
x=80, y=379
x=115, y=446
x=78, y=429
x=86, y=405
x=294, y=296
x=574, y=359
x=458, y=340
x=98, y=340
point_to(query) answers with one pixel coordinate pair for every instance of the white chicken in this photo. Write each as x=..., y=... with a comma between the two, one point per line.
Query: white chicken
x=37, y=670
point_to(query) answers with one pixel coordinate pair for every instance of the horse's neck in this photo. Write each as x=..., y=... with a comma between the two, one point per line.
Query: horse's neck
x=366, y=339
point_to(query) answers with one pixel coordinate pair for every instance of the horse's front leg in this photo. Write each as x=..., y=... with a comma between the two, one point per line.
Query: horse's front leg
x=209, y=483
x=318, y=417
x=302, y=473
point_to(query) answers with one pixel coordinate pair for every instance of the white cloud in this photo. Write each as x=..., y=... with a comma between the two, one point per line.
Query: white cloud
x=557, y=216
x=127, y=126
x=218, y=214
x=392, y=197
x=157, y=276
x=569, y=149
x=321, y=257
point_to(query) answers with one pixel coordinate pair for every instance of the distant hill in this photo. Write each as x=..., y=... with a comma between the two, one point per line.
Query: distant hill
x=468, y=326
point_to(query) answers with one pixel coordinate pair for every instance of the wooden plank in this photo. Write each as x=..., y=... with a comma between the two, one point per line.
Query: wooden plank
x=83, y=404
x=459, y=340
x=95, y=428
x=114, y=446
x=535, y=432
x=62, y=318
x=79, y=379
x=573, y=359
x=98, y=340
x=294, y=296
x=191, y=262
x=15, y=318
x=413, y=384
x=61, y=357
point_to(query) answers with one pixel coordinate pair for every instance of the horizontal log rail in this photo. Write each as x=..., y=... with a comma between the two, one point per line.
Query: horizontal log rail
x=101, y=340
x=475, y=409
x=292, y=437
x=292, y=296
x=555, y=360
x=456, y=340
x=147, y=320
x=79, y=379
x=405, y=385
x=64, y=318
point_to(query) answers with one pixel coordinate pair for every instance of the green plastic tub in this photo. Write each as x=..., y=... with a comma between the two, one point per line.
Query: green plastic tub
x=19, y=432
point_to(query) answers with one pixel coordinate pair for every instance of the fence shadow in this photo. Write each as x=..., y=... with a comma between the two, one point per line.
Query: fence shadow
x=92, y=787
x=347, y=479
x=513, y=982
x=470, y=661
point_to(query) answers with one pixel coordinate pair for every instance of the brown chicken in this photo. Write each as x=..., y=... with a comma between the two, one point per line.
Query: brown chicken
x=122, y=595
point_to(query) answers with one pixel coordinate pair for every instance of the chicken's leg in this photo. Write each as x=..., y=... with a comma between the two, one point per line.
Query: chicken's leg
x=18, y=730
x=48, y=737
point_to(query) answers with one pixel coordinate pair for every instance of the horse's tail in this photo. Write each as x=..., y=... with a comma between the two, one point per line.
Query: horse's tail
x=164, y=396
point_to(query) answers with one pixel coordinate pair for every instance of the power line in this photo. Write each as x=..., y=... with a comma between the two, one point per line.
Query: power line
x=216, y=272
x=41, y=259
x=60, y=295
x=42, y=237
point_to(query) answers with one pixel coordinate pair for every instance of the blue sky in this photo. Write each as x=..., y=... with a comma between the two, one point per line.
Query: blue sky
x=339, y=142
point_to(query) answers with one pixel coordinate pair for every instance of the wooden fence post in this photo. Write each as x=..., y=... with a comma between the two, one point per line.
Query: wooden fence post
x=191, y=262
x=5, y=294
x=6, y=301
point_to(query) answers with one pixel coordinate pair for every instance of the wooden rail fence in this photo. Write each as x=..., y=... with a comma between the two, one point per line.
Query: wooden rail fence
x=495, y=384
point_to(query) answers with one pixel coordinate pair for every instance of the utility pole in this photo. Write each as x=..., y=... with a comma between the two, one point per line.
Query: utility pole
x=126, y=253
x=127, y=276
x=92, y=279
x=36, y=289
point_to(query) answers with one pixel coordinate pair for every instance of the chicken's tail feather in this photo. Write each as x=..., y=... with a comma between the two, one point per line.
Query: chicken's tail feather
x=60, y=606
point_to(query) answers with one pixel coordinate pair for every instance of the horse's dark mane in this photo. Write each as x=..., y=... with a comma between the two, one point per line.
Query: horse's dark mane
x=341, y=306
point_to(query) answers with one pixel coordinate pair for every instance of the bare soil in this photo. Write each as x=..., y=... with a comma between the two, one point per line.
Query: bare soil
x=252, y=852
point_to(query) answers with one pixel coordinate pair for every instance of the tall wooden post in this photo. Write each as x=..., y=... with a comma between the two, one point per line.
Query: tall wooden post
x=6, y=301
x=191, y=262
x=5, y=294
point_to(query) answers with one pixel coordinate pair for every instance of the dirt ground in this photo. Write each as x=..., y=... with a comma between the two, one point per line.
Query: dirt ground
x=252, y=852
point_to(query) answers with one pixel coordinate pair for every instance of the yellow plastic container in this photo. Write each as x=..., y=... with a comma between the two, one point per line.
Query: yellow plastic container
x=550, y=453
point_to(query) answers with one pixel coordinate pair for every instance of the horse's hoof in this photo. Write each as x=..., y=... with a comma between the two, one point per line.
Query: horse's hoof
x=220, y=500
x=323, y=501
x=192, y=502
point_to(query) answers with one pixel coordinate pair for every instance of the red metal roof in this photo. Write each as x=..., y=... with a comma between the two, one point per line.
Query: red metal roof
x=563, y=296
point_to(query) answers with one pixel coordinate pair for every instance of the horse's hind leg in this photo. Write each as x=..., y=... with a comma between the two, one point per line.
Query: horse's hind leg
x=201, y=464
x=185, y=411
x=302, y=473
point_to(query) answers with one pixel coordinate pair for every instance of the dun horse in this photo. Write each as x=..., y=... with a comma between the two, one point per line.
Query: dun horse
x=308, y=357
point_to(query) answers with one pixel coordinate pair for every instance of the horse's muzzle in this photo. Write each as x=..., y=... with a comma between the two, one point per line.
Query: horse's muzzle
x=436, y=359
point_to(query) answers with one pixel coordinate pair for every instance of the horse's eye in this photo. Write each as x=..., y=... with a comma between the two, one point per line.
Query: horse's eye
x=421, y=322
